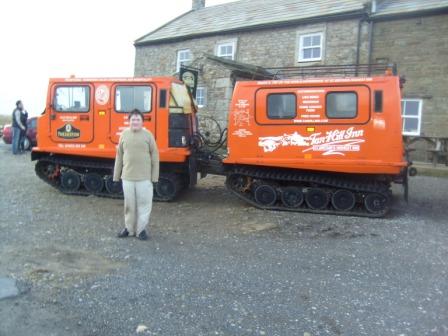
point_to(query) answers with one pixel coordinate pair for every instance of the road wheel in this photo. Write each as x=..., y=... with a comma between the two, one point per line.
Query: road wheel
x=343, y=200
x=238, y=182
x=265, y=195
x=375, y=203
x=70, y=180
x=113, y=187
x=47, y=170
x=168, y=187
x=317, y=199
x=292, y=197
x=93, y=183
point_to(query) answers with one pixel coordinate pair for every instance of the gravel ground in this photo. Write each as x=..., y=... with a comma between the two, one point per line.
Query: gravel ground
x=215, y=266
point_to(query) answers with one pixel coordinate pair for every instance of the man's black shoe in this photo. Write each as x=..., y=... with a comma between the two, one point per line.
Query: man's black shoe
x=123, y=233
x=143, y=235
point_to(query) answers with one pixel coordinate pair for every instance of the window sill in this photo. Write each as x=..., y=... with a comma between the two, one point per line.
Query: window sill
x=310, y=60
x=226, y=57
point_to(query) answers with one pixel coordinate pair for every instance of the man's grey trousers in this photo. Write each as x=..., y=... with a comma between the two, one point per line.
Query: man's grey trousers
x=137, y=205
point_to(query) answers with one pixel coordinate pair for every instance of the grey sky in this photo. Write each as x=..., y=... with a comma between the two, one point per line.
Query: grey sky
x=58, y=38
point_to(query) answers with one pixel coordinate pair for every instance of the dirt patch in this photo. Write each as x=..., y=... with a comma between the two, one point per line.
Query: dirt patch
x=258, y=227
x=62, y=266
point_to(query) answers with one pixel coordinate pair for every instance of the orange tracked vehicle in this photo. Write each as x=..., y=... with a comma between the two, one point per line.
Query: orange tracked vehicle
x=81, y=126
x=324, y=145
x=321, y=145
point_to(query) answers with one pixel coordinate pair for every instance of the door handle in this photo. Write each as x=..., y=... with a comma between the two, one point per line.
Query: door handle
x=147, y=118
x=53, y=117
x=84, y=118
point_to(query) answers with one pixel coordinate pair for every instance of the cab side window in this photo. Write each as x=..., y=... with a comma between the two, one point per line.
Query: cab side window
x=342, y=105
x=128, y=98
x=72, y=99
x=282, y=106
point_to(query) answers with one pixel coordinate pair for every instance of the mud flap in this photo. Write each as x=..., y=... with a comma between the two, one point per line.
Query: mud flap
x=406, y=172
x=406, y=185
x=192, y=171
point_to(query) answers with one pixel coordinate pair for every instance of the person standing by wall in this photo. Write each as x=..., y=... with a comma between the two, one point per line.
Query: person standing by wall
x=137, y=164
x=24, y=121
x=17, y=127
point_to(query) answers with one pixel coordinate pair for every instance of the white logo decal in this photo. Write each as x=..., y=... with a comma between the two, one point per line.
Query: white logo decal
x=335, y=142
x=270, y=144
x=102, y=95
x=242, y=133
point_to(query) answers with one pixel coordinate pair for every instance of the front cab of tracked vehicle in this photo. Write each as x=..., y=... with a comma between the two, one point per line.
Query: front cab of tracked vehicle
x=84, y=118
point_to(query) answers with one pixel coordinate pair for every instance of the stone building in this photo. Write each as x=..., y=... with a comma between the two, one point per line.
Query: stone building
x=417, y=40
x=240, y=39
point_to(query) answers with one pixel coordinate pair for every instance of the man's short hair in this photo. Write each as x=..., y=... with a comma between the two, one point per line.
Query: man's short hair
x=18, y=102
x=135, y=112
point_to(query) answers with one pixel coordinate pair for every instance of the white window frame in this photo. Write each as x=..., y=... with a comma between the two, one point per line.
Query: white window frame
x=419, y=116
x=180, y=61
x=301, y=48
x=226, y=44
x=204, y=96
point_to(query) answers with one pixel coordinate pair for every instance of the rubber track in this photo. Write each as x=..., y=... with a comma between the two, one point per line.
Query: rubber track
x=358, y=185
x=79, y=164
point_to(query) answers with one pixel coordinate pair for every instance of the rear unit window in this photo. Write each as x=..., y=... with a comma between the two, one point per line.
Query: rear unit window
x=282, y=106
x=72, y=99
x=378, y=101
x=342, y=105
x=129, y=98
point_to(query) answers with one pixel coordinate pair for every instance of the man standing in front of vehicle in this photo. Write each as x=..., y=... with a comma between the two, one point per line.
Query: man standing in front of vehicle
x=137, y=164
x=17, y=127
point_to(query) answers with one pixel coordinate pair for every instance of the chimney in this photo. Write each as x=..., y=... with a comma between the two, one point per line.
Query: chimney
x=374, y=5
x=197, y=4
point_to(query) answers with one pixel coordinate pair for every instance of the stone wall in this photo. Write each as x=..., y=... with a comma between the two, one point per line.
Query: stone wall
x=268, y=48
x=419, y=46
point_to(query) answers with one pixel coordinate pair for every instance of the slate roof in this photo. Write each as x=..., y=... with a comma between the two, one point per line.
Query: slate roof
x=253, y=14
x=392, y=7
x=248, y=14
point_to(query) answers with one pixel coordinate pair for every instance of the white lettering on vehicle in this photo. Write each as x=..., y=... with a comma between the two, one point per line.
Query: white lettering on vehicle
x=242, y=133
x=68, y=118
x=71, y=145
x=334, y=142
x=241, y=114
